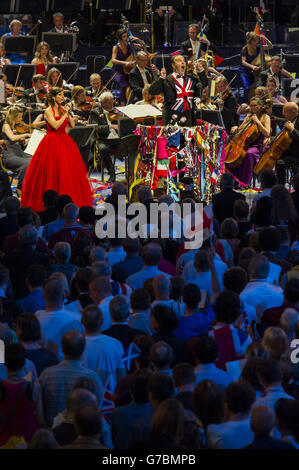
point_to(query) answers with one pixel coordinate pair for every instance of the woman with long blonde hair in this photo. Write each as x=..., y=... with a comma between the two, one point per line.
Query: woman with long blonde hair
x=13, y=156
x=42, y=57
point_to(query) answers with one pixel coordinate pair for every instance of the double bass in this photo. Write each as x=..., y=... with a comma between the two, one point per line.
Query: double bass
x=236, y=150
x=269, y=159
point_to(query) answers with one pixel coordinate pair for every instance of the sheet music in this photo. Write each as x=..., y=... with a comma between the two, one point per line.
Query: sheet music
x=34, y=141
x=2, y=92
x=142, y=110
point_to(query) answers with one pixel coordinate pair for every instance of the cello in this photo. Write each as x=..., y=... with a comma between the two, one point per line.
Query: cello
x=236, y=150
x=269, y=159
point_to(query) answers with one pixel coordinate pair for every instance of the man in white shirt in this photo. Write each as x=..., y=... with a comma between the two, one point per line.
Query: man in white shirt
x=58, y=20
x=259, y=292
x=55, y=321
x=140, y=76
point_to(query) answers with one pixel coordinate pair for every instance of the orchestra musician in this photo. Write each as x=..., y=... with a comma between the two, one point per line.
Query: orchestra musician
x=78, y=95
x=54, y=78
x=140, y=76
x=190, y=46
x=258, y=116
x=95, y=87
x=290, y=156
x=227, y=103
x=3, y=59
x=147, y=98
x=13, y=156
x=121, y=52
x=274, y=91
x=15, y=29
x=42, y=58
x=248, y=54
x=205, y=101
x=35, y=95
x=179, y=91
x=107, y=137
x=275, y=71
x=58, y=20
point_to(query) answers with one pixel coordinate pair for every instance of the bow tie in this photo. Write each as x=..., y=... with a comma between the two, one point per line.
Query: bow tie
x=179, y=76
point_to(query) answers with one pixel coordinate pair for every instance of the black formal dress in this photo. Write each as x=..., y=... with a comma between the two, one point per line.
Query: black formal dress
x=15, y=159
x=137, y=83
x=179, y=94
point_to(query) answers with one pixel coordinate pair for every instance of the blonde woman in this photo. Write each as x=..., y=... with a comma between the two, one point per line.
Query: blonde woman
x=78, y=95
x=42, y=58
x=54, y=78
x=13, y=156
x=15, y=29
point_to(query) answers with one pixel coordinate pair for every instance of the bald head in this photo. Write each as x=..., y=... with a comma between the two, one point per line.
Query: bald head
x=161, y=285
x=70, y=213
x=290, y=111
x=161, y=355
x=262, y=420
x=73, y=344
x=288, y=321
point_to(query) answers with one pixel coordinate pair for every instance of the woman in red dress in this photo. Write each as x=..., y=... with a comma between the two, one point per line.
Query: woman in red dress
x=57, y=163
x=42, y=58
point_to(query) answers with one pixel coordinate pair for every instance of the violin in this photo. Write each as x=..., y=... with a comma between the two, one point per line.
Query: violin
x=113, y=116
x=16, y=91
x=23, y=128
x=88, y=104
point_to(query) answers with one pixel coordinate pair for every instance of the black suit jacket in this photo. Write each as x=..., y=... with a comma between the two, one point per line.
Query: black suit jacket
x=136, y=83
x=263, y=77
x=29, y=96
x=124, y=333
x=186, y=48
x=98, y=117
x=223, y=203
x=167, y=87
x=53, y=30
x=228, y=112
x=292, y=151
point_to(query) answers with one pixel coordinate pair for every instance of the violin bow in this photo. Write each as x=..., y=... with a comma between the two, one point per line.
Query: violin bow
x=17, y=79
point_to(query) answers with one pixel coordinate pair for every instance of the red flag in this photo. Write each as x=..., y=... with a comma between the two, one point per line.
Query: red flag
x=218, y=60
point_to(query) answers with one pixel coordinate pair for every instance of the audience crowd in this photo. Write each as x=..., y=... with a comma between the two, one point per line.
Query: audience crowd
x=129, y=343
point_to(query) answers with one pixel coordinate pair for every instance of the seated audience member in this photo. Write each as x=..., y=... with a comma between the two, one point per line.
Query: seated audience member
x=206, y=353
x=102, y=353
x=262, y=423
x=62, y=253
x=140, y=311
x=235, y=280
x=235, y=432
x=232, y=342
x=19, y=260
x=196, y=320
x=271, y=316
x=9, y=308
x=259, y=292
x=88, y=421
x=35, y=278
x=123, y=417
x=28, y=415
x=119, y=308
x=70, y=227
x=267, y=180
x=241, y=214
x=287, y=418
x=184, y=381
x=151, y=255
x=100, y=291
x=43, y=439
x=131, y=264
x=8, y=223
x=161, y=357
x=53, y=227
x=223, y=202
x=50, y=199
x=269, y=241
x=208, y=404
x=55, y=321
x=163, y=323
x=288, y=321
x=160, y=388
x=57, y=381
x=65, y=432
x=29, y=335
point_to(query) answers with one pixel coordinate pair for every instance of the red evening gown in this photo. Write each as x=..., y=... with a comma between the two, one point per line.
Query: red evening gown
x=56, y=164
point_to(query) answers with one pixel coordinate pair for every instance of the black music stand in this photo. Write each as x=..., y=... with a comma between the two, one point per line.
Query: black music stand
x=60, y=42
x=286, y=86
x=113, y=5
x=67, y=69
x=126, y=126
x=25, y=76
x=36, y=6
x=34, y=114
x=292, y=62
x=6, y=6
x=208, y=115
x=67, y=6
x=18, y=44
x=82, y=134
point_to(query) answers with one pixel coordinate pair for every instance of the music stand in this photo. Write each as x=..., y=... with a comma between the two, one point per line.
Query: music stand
x=65, y=42
x=292, y=62
x=18, y=44
x=7, y=6
x=208, y=115
x=288, y=85
x=126, y=126
x=38, y=6
x=34, y=115
x=25, y=76
x=82, y=134
x=67, y=69
x=67, y=6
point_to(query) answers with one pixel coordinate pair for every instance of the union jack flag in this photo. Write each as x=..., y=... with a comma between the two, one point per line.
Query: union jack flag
x=107, y=405
x=184, y=93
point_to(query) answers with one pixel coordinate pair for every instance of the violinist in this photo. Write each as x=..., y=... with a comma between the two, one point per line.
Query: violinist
x=258, y=116
x=275, y=71
x=3, y=59
x=122, y=57
x=107, y=137
x=290, y=155
x=274, y=91
x=42, y=58
x=248, y=54
x=13, y=156
x=226, y=102
x=95, y=87
x=54, y=78
x=35, y=96
x=80, y=112
x=141, y=76
x=205, y=101
x=150, y=99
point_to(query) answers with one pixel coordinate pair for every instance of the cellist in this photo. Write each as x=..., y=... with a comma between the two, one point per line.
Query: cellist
x=258, y=116
x=290, y=113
